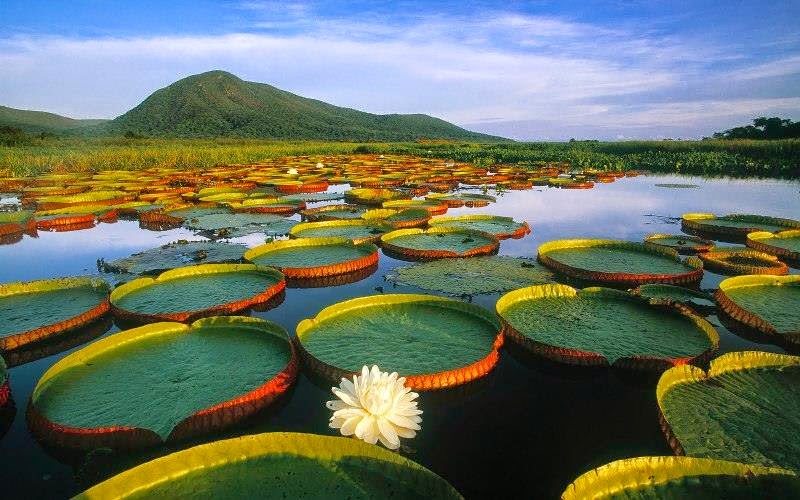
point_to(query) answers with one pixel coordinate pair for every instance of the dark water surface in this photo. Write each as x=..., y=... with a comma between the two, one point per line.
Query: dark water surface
x=528, y=429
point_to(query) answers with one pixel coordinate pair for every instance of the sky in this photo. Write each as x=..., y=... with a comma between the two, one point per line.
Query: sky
x=536, y=70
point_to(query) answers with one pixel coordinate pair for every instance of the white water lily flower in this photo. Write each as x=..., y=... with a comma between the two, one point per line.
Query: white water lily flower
x=377, y=406
x=320, y=165
x=292, y=171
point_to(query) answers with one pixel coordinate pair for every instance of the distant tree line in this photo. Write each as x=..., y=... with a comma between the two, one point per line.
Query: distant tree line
x=763, y=128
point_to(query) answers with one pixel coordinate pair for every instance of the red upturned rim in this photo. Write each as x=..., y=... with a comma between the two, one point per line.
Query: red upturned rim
x=66, y=220
x=748, y=318
x=5, y=393
x=22, y=339
x=338, y=268
x=717, y=260
x=201, y=422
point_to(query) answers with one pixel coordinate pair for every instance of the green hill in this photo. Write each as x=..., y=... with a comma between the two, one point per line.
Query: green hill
x=219, y=104
x=41, y=121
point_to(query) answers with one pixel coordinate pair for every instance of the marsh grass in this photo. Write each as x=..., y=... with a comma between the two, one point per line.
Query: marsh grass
x=737, y=158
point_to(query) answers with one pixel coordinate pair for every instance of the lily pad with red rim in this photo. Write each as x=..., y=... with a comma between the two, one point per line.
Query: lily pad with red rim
x=438, y=243
x=601, y=327
x=502, y=227
x=162, y=382
x=314, y=257
x=434, y=342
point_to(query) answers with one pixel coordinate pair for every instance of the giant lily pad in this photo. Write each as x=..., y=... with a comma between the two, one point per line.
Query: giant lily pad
x=745, y=409
x=784, y=244
x=434, y=207
x=241, y=224
x=681, y=243
x=473, y=276
x=617, y=262
x=433, y=341
x=398, y=218
x=769, y=304
x=683, y=477
x=735, y=225
x=502, y=227
x=188, y=293
x=278, y=465
x=438, y=243
x=461, y=199
x=358, y=231
x=742, y=261
x=161, y=382
x=314, y=257
x=334, y=212
x=36, y=310
x=601, y=326
x=312, y=197
x=373, y=196
x=177, y=254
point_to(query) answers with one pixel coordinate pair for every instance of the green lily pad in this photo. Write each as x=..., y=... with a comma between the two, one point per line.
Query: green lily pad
x=373, y=196
x=241, y=224
x=177, y=254
x=356, y=230
x=769, y=303
x=439, y=242
x=194, y=289
x=279, y=466
x=502, y=227
x=313, y=197
x=32, y=310
x=153, y=377
x=736, y=224
x=447, y=336
x=463, y=197
x=682, y=477
x=304, y=255
x=745, y=409
x=785, y=244
x=681, y=243
x=607, y=325
x=619, y=262
x=16, y=217
x=473, y=276
x=334, y=212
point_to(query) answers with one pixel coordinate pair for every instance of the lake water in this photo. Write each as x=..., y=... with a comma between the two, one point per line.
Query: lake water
x=527, y=429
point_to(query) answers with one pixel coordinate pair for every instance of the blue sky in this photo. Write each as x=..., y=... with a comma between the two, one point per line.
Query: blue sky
x=527, y=70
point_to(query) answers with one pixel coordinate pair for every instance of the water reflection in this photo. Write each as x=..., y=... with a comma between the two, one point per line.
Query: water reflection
x=528, y=429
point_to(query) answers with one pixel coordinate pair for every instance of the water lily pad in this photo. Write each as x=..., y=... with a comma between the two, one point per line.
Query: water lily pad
x=32, y=311
x=745, y=409
x=683, y=477
x=461, y=199
x=735, y=225
x=618, y=262
x=681, y=243
x=313, y=197
x=398, y=218
x=742, y=261
x=161, y=382
x=502, y=227
x=658, y=293
x=435, y=207
x=334, y=212
x=373, y=196
x=477, y=275
x=769, y=304
x=242, y=224
x=433, y=341
x=278, y=465
x=188, y=293
x=784, y=244
x=601, y=326
x=438, y=243
x=177, y=254
x=314, y=257
x=358, y=231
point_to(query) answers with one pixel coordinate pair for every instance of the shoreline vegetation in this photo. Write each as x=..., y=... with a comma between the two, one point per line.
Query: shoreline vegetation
x=722, y=157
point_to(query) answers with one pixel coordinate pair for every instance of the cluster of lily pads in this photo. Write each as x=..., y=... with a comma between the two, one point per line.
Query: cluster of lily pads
x=186, y=303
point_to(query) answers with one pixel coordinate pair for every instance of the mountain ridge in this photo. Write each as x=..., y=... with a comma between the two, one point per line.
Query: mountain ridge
x=219, y=104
